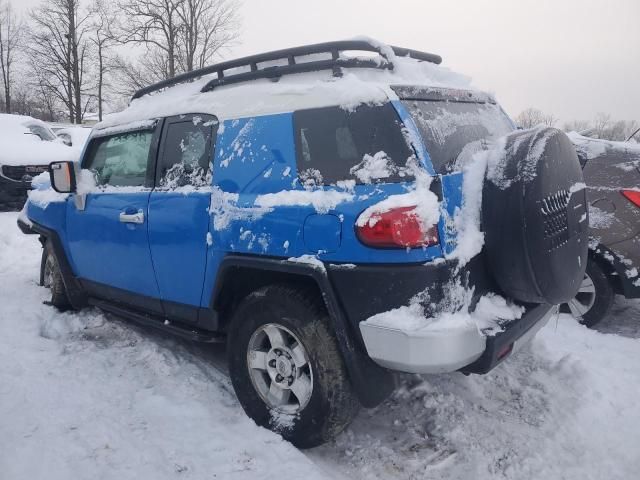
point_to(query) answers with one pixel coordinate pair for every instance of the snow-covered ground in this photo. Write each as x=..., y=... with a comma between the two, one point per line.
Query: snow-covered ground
x=84, y=396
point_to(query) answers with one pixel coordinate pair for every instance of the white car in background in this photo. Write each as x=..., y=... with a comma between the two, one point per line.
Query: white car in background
x=75, y=136
x=27, y=146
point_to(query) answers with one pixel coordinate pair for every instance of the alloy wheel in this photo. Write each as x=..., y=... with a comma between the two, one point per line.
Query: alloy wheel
x=279, y=368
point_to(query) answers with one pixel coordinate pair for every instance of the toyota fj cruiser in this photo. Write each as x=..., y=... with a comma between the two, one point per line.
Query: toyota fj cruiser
x=297, y=204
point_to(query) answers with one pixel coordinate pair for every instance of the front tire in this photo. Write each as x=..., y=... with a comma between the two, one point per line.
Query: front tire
x=594, y=298
x=51, y=278
x=286, y=367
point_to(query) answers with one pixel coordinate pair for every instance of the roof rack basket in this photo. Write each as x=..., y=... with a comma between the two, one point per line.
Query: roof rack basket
x=320, y=56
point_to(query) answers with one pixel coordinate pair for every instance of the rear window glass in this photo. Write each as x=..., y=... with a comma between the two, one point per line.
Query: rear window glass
x=366, y=145
x=185, y=158
x=448, y=128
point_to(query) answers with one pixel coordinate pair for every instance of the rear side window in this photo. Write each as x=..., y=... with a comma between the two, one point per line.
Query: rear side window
x=366, y=145
x=121, y=160
x=450, y=128
x=185, y=157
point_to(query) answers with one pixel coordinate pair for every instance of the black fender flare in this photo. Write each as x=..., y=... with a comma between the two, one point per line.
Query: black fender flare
x=612, y=263
x=371, y=382
x=75, y=292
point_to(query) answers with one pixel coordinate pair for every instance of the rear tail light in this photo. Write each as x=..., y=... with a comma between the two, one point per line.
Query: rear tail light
x=397, y=228
x=633, y=196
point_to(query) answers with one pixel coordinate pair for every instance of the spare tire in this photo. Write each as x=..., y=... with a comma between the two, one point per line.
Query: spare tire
x=534, y=215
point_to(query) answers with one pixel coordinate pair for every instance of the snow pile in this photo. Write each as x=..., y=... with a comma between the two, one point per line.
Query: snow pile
x=321, y=200
x=427, y=206
x=562, y=408
x=453, y=312
x=373, y=168
x=89, y=396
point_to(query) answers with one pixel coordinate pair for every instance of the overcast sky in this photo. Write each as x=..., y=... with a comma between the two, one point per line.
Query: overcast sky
x=571, y=58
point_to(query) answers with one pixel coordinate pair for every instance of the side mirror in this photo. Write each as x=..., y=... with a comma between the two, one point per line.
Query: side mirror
x=66, y=139
x=63, y=176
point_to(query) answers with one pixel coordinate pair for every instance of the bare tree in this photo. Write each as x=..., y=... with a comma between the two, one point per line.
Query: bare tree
x=155, y=24
x=207, y=27
x=59, y=53
x=600, y=125
x=532, y=117
x=103, y=25
x=178, y=35
x=10, y=38
x=579, y=126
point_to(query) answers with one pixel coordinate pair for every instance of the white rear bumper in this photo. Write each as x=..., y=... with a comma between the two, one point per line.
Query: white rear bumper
x=432, y=351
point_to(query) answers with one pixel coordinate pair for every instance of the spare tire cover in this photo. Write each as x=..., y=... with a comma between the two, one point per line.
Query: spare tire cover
x=534, y=215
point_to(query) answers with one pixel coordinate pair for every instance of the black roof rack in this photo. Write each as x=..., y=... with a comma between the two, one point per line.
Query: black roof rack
x=335, y=63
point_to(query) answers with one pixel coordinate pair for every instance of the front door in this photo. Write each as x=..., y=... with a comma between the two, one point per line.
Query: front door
x=179, y=213
x=108, y=239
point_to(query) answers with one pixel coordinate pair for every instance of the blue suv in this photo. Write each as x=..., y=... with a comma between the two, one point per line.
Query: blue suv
x=333, y=217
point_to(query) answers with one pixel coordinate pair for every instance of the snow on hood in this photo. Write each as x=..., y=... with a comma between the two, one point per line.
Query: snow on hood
x=292, y=92
x=19, y=147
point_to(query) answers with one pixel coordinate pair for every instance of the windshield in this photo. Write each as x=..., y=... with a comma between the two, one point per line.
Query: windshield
x=41, y=131
x=447, y=127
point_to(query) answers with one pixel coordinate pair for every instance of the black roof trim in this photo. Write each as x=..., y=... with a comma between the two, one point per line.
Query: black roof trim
x=335, y=63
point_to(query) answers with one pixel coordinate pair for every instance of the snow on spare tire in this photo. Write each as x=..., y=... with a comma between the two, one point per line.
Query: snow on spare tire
x=534, y=217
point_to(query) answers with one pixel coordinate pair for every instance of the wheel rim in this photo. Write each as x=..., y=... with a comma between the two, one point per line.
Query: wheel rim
x=49, y=268
x=580, y=305
x=279, y=368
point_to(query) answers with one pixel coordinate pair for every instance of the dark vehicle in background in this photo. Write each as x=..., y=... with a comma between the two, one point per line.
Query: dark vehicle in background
x=28, y=146
x=612, y=173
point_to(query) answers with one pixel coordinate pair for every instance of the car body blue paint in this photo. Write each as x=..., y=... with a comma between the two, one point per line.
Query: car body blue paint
x=178, y=225
x=255, y=155
x=104, y=250
x=451, y=202
x=322, y=233
x=175, y=255
x=415, y=137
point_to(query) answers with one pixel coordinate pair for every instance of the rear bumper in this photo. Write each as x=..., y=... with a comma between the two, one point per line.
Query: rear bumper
x=464, y=349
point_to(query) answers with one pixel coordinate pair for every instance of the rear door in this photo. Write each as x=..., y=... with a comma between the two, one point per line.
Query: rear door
x=179, y=213
x=107, y=239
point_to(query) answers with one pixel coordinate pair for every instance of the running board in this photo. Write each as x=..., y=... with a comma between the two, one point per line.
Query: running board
x=174, y=328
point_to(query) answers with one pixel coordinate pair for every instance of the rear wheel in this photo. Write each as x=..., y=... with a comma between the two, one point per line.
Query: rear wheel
x=286, y=368
x=594, y=298
x=51, y=278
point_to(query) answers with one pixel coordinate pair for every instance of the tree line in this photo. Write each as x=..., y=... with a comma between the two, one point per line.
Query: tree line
x=67, y=58
x=603, y=126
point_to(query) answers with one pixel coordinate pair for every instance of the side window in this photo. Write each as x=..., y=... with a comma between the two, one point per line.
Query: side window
x=121, y=160
x=185, y=157
x=366, y=145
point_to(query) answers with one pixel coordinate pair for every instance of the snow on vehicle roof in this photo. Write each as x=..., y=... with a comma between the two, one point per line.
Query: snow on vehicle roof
x=289, y=93
x=10, y=123
x=20, y=146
